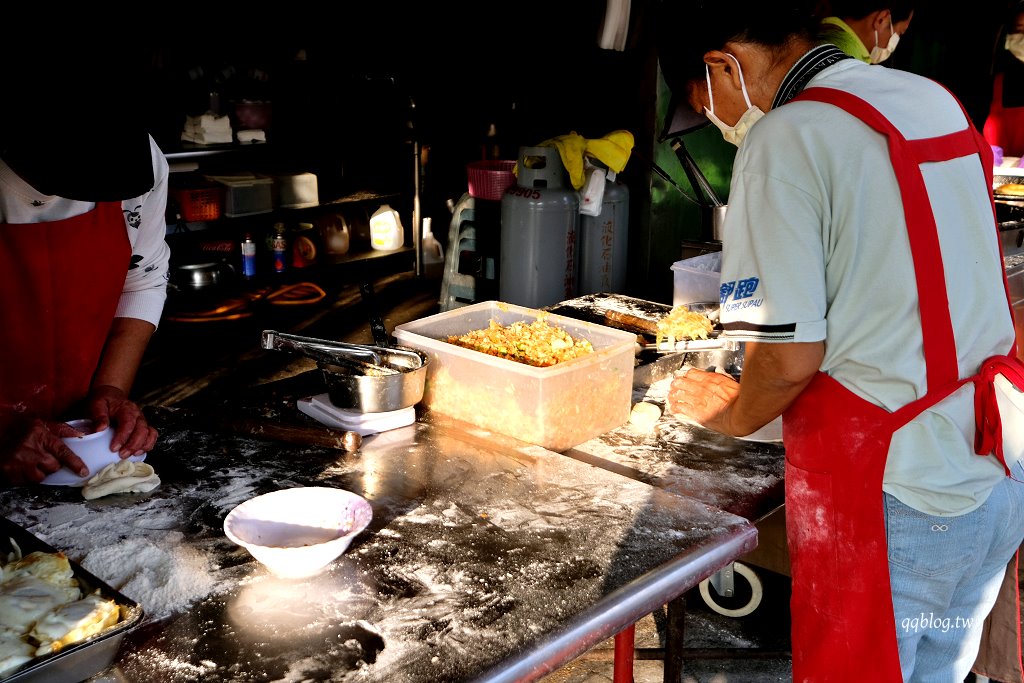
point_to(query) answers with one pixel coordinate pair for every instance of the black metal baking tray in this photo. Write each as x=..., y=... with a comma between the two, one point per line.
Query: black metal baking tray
x=84, y=659
x=640, y=317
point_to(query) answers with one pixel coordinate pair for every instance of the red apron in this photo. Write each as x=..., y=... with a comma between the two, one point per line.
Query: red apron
x=62, y=281
x=843, y=625
x=1004, y=126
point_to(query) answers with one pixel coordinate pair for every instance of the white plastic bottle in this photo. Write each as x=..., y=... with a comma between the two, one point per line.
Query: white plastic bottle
x=433, y=254
x=386, y=232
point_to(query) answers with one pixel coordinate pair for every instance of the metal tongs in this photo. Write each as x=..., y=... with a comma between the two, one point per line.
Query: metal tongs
x=714, y=343
x=363, y=358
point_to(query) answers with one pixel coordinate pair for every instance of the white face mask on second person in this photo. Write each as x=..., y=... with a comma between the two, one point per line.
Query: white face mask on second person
x=1015, y=44
x=752, y=115
x=880, y=54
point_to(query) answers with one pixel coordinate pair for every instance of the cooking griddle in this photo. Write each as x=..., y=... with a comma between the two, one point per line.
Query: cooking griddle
x=621, y=312
x=640, y=317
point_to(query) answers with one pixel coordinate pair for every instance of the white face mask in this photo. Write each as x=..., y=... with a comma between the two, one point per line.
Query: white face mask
x=880, y=54
x=1015, y=44
x=752, y=115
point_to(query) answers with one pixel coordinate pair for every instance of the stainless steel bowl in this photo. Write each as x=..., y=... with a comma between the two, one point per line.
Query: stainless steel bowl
x=350, y=387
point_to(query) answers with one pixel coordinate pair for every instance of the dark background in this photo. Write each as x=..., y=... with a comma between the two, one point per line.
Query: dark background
x=353, y=83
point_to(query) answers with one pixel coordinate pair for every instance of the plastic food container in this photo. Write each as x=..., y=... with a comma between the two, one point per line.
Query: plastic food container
x=81, y=660
x=556, y=407
x=696, y=279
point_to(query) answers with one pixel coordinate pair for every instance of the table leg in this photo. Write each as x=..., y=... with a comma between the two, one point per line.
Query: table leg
x=675, y=616
x=622, y=667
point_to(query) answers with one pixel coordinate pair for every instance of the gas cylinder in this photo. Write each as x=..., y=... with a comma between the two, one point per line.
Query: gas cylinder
x=540, y=222
x=603, y=243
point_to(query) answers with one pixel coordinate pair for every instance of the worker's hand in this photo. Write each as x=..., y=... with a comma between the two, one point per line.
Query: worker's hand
x=40, y=452
x=703, y=397
x=110, y=406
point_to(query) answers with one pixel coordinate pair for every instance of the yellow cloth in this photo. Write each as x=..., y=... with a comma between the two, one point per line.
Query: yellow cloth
x=612, y=150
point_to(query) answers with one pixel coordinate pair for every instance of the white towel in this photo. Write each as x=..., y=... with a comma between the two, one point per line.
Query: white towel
x=251, y=136
x=212, y=122
x=208, y=123
x=208, y=129
x=204, y=138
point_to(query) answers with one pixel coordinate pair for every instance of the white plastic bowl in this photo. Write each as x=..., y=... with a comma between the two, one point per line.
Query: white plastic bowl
x=297, y=532
x=93, y=449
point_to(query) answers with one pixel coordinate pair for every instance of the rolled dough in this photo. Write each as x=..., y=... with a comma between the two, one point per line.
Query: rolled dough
x=124, y=476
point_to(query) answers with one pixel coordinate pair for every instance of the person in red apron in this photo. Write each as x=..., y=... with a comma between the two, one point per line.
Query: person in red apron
x=83, y=260
x=1004, y=126
x=862, y=269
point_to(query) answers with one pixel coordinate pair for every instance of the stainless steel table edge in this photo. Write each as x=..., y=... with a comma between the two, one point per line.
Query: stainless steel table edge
x=624, y=607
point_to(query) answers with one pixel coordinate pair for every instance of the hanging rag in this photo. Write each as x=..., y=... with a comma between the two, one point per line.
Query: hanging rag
x=612, y=150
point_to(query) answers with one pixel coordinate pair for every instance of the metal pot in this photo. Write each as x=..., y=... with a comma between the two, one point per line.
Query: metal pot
x=201, y=276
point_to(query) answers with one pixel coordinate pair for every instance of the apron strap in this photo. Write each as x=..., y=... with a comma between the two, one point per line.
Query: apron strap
x=933, y=304
x=936, y=326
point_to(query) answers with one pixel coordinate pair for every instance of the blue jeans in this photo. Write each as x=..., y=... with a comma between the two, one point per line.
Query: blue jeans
x=945, y=573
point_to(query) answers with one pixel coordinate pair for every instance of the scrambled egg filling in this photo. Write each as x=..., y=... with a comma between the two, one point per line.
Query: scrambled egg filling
x=682, y=324
x=533, y=343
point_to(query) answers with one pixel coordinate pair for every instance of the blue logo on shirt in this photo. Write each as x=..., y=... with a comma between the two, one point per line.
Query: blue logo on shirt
x=746, y=288
x=737, y=289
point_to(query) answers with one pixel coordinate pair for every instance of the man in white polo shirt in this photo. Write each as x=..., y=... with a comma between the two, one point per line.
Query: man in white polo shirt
x=861, y=266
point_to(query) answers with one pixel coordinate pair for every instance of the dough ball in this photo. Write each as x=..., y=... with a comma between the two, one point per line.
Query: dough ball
x=644, y=416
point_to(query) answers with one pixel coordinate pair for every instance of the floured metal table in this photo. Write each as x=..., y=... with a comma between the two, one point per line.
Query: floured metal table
x=744, y=476
x=486, y=560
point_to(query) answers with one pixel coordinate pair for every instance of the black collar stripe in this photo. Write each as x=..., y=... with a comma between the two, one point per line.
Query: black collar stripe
x=805, y=69
x=741, y=326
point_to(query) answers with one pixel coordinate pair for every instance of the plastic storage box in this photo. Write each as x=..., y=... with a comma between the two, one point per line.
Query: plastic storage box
x=556, y=407
x=697, y=279
x=246, y=195
x=296, y=191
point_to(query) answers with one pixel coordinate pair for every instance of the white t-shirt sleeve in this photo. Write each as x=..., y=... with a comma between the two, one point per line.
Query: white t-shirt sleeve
x=773, y=263
x=145, y=286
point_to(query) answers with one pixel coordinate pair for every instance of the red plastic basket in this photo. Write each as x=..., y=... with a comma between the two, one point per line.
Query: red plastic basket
x=199, y=203
x=490, y=178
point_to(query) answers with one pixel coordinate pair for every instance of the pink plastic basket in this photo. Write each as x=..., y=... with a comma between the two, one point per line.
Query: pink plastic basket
x=490, y=178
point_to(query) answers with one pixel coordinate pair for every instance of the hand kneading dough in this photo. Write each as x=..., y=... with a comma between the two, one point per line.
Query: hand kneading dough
x=644, y=416
x=124, y=476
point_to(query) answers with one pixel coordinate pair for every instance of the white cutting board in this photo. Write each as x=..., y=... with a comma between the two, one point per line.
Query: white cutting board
x=321, y=409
